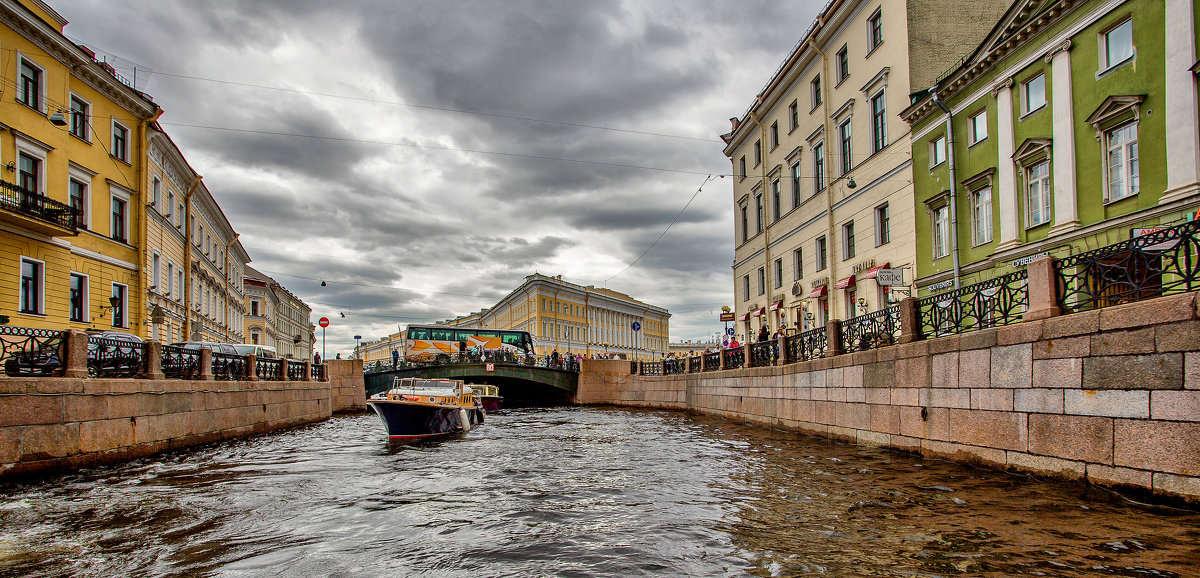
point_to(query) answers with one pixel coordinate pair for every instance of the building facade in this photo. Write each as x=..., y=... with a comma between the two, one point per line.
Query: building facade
x=1072, y=126
x=822, y=183
x=172, y=182
x=217, y=268
x=274, y=316
x=72, y=201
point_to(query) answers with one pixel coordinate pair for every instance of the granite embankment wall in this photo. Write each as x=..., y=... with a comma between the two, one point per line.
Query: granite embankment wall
x=58, y=424
x=1111, y=396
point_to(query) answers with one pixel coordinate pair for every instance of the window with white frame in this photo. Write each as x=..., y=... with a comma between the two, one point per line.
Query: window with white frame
x=762, y=281
x=941, y=231
x=981, y=215
x=745, y=223
x=797, y=263
x=815, y=88
x=878, y=122
x=796, y=195
x=937, y=151
x=1116, y=45
x=120, y=312
x=818, y=152
x=847, y=145
x=745, y=287
x=170, y=278
x=1033, y=94
x=757, y=152
x=977, y=127
x=120, y=142
x=155, y=269
x=776, y=200
x=793, y=115
x=883, y=225
x=119, y=218
x=31, y=83
x=758, y=213
x=1037, y=194
x=843, y=64
x=742, y=167
x=779, y=273
x=81, y=114
x=875, y=30
x=29, y=172
x=156, y=193
x=848, y=241
x=822, y=253
x=774, y=135
x=77, y=197
x=79, y=297
x=1121, y=159
x=179, y=286
x=33, y=287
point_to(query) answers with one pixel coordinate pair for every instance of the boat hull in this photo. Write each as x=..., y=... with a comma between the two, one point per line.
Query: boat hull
x=490, y=403
x=410, y=421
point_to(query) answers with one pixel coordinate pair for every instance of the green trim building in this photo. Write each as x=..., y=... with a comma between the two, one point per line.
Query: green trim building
x=1072, y=126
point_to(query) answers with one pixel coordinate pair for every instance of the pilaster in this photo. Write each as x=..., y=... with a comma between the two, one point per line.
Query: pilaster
x=1066, y=210
x=1183, y=126
x=1006, y=179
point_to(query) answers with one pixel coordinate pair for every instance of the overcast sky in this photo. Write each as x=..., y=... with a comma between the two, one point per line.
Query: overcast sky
x=423, y=156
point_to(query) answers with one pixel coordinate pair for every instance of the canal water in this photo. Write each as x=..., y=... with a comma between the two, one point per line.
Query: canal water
x=576, y=492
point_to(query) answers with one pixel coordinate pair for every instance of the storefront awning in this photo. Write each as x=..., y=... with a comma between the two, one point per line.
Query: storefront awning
x=818, y=292
x=759, y=312
x=776, y=306
x=844, y=282
x=870, y=274
x=744, y=317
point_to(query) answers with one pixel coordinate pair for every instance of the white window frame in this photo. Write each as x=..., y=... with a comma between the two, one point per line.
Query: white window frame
x=155, y=269
x=842, y=64
x=846, y=144
x=759, y=213
x=84, y=177
x=745, y=212
x=797, y=193
x=822, y=247
x=116, y=194
x=981, y=223
x=848, y=249
x=1103, y=39
x=179, y=284
x=1043, y=212
x=879, y=140
x=85, y=297
x=883, y=225
x=776, y=200
x=156, y=193
x=793, y=116
x=818, y=149
x=746, y=287
x=1131, y=184
x=937, y=151
x=814, y=87
x=797, y=263
x=762, y=281
x=124, y=321
x=774, y=135
x=34, y=150
x=41, y=81
x=940, y=236
x=875, y=20
x=125, y=152
x=87, y=117
x=779, y=272
x=977, y=129
x=40, y=282
x=1026, y=104
x=170, y=278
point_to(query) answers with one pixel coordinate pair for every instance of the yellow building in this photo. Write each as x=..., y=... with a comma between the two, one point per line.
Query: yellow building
x=822, y=163
x=72, y=202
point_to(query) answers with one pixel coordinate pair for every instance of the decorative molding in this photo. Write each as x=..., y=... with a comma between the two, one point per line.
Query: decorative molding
x=1065, y=46
x=881, y=76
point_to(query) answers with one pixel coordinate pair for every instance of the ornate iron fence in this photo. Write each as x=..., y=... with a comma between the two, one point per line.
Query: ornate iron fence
x=1152, y=265
x=712, y=361
x=18, y=200
x=228, y=366
x=878, y=329
x=295, y=370
x=318, y=372
x=806, y=346
x=652, y=368
x=994, y=302
x=115, y=357
x=735, y=358
x=674, y=366
x=763, y=353
x=693, y=364
x=269, y=369
x=180, y=363
x=26, y=351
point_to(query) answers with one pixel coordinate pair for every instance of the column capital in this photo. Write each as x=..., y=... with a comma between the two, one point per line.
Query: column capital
x=1064, y=47
x=1003, y=85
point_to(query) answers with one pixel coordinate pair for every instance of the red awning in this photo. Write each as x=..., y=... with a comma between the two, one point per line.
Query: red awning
x=776, y=305
x=818, y=292
x=844, y=282
x=870, y=274
x=759, y=312
x=744, y=317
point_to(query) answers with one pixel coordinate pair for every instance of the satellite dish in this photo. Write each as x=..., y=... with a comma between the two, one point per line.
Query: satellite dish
x=795, y=289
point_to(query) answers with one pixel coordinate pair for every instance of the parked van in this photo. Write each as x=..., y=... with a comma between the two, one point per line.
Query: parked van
x=259, y=351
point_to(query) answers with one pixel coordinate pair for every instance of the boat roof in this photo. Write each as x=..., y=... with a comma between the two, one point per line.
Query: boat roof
x=422, y=384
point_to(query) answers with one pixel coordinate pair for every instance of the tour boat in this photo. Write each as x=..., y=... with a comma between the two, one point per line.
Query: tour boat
x=488, y=395
x=415, y=408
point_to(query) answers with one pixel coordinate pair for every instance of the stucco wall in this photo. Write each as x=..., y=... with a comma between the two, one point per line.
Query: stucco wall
x=1111, y=396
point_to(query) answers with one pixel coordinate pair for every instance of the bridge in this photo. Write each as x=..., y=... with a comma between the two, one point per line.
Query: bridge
x=519, y=384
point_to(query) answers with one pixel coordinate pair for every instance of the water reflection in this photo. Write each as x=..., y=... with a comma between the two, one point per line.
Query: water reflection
x=574, y=492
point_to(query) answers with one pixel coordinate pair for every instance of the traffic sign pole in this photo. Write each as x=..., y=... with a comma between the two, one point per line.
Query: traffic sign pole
x=323, y=322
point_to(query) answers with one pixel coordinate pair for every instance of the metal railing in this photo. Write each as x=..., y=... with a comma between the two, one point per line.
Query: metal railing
x=1152, y=265
x=806, y=346
x=26, y=351
x=295, y=370
x=763, y=353
x=269, y=369
x=877, y=329
x=992, y=303
x=180, y=363
x=735, y=358
x=228, y=366
x=652, y=368
x=693, y=364
x=115, y=358
x=318, y=372
x=19, y=200
x=712, y=361
x=675, y=366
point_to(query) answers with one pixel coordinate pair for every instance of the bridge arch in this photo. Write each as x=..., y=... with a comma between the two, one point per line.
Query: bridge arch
x=519, y=384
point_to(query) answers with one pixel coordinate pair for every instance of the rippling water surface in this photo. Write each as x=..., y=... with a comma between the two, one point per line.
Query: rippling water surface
x=575, y=492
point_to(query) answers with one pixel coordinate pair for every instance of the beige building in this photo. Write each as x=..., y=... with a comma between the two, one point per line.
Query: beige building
x=171, y=182
x=218, y=264
x=823, y=193
x=274, y=316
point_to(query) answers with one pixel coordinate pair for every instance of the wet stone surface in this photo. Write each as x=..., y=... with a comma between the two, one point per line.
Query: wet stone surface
x=576, y=492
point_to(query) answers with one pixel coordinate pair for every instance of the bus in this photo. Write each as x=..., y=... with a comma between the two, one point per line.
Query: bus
x=438, y=343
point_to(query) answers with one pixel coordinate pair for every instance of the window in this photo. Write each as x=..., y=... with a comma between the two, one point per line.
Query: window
x=29, y=172
x=120, y=219
x=883, y=227
x=778, y=273
x=798, y=264
x=746, y=287
x=844, y=135
x=179, y=216
x=155, y=269
x=757, y=152
x=170, y=203
x=816, y=91
x=848, y=241
x=742, y=167
x=29, y=89
x=878, y=122
x=821, y=254
x=818, y=151
x=758, y=213
x=745, y=224
x=77, y=197
x=977, y=127
x=170, y=278
x=156, y=193
x=762, y=281
x=119, y=312
x=79, y=290
x=981, y=215
x=179, y=284
x=875, y=30
x=793, y=115
x=937, y=151
x=795, y=184
x=843, y=64
x=776, y=202
x=1122, y=160
x=1116, y=45
x=254, y=307
x=80, y=113
x=1033, y=92
x=941, y=231
x=774, y=135
x=1037, y=194
x=33, y=283
x=120, y=141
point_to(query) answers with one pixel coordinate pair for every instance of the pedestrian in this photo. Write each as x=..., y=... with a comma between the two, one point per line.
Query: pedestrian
x=395, y=359
x=762, y=333
x=339, y=356
x=316, y=358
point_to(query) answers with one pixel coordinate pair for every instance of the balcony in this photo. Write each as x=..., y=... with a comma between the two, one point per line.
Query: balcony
x=30, y=210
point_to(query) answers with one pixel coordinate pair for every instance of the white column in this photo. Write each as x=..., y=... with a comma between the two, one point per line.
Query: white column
x=1006, y=180
x=1066, y=210
x=1183, y=132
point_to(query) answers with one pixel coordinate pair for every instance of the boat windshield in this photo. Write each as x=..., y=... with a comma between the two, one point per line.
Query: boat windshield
x=428, y=386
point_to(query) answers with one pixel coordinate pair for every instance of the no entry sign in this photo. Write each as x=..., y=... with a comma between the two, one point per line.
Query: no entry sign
x=324, y=322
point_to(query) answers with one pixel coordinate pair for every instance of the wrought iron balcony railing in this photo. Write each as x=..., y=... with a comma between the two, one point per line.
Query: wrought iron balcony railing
x=22, y=201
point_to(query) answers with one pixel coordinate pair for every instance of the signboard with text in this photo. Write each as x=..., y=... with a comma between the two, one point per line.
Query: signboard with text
x=728, y=316
x=889, y=277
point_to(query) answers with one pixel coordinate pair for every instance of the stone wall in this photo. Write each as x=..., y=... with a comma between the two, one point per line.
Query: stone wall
x=347, y=389
x=1110, y=396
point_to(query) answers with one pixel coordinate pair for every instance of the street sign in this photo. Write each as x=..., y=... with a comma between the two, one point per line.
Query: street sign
x=636, y=326
x=324, y=322
x=728, y=316
x=889, y=277
x=728, y=331
x=358, y=337
x=489, y=367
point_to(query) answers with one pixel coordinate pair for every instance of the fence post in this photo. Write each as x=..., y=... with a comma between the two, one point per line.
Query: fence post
x=154, y=361
x=75, y=350
x=910, y=320
x=722, y=358
x=833, y=338
x=781, y=349
x=206, y=373
x=1043, y=290
x=251, y=367
x=307, y=370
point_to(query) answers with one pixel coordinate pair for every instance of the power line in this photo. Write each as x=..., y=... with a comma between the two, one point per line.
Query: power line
x=355, y=284
x=660, y=236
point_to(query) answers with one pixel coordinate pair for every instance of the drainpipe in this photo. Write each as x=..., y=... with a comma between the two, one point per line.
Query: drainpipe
x=187, y=258
x=953, y=185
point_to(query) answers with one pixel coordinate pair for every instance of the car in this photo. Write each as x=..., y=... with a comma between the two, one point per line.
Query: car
x=214, y=346
x=41, y=358
x=223, y=368
x=258, y=351
x=115, y=353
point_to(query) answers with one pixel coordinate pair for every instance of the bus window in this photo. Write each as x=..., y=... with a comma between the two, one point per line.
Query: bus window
x=441, y=334
x=481, y=333
x=419, y=333
x=513, y=339
x=462, y=335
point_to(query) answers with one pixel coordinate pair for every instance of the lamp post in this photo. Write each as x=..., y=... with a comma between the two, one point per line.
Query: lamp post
x=357, y=340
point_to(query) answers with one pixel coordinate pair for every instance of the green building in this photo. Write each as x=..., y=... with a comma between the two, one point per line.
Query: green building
x=1072, y=126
